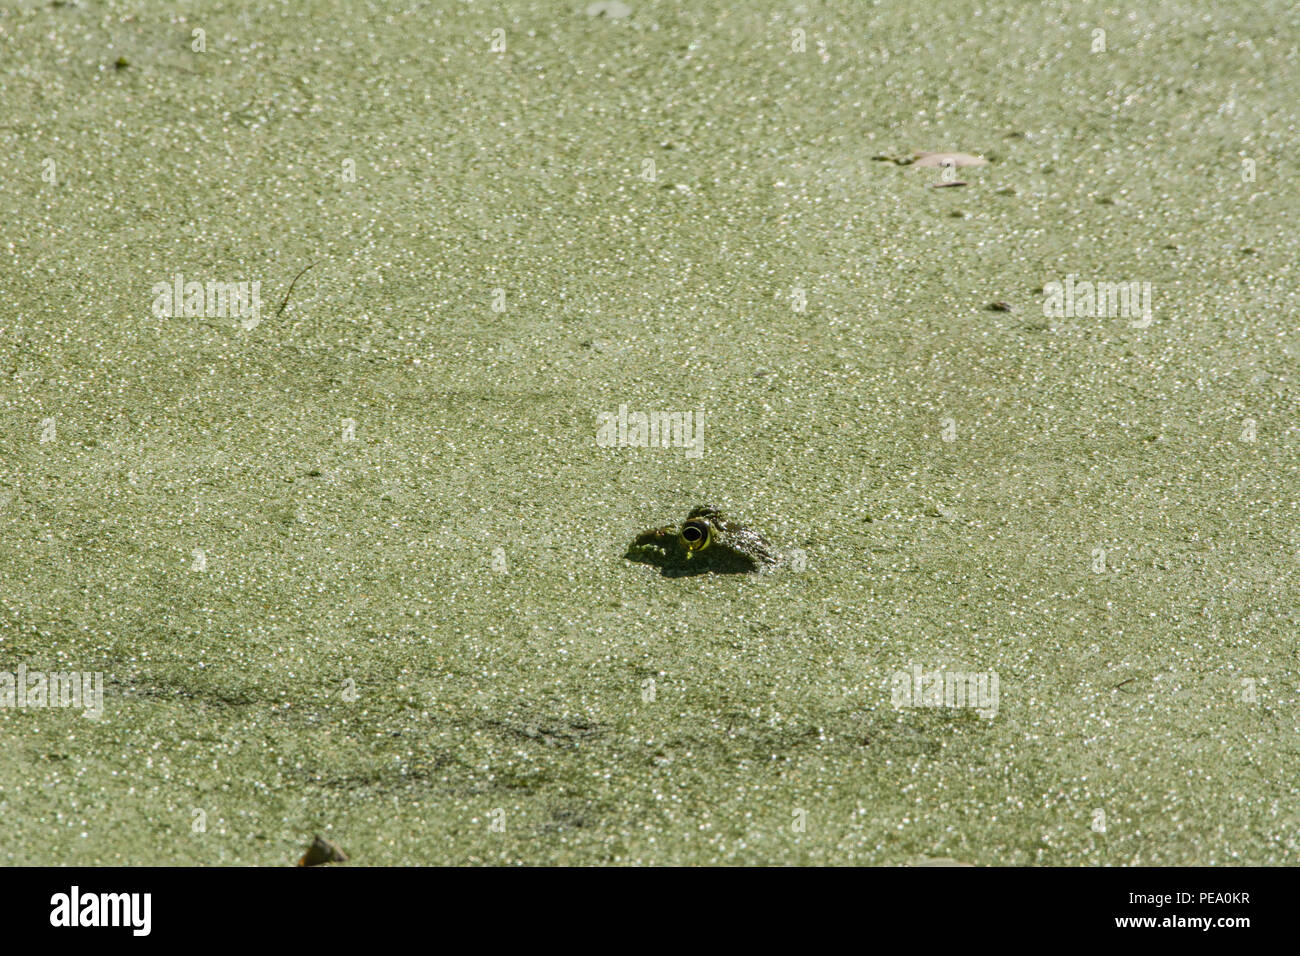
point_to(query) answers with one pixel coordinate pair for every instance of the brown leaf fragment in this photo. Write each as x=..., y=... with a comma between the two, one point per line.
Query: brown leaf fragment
x=322, y=851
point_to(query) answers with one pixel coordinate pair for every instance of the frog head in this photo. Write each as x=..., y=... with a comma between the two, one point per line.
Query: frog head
x=707, y=541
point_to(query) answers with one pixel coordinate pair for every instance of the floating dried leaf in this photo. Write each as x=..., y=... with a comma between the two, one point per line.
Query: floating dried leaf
x=322, y=851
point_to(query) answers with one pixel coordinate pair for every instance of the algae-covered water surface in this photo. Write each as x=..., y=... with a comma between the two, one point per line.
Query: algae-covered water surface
x=346, y=350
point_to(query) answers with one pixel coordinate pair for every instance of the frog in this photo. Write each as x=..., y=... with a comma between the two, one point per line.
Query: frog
x=707, y=541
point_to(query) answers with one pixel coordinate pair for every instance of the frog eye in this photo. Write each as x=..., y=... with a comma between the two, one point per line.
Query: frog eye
x=696, y=535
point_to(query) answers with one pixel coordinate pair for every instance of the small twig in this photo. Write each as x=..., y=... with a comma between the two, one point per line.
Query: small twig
x=291, y=285
x=1123, y=682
